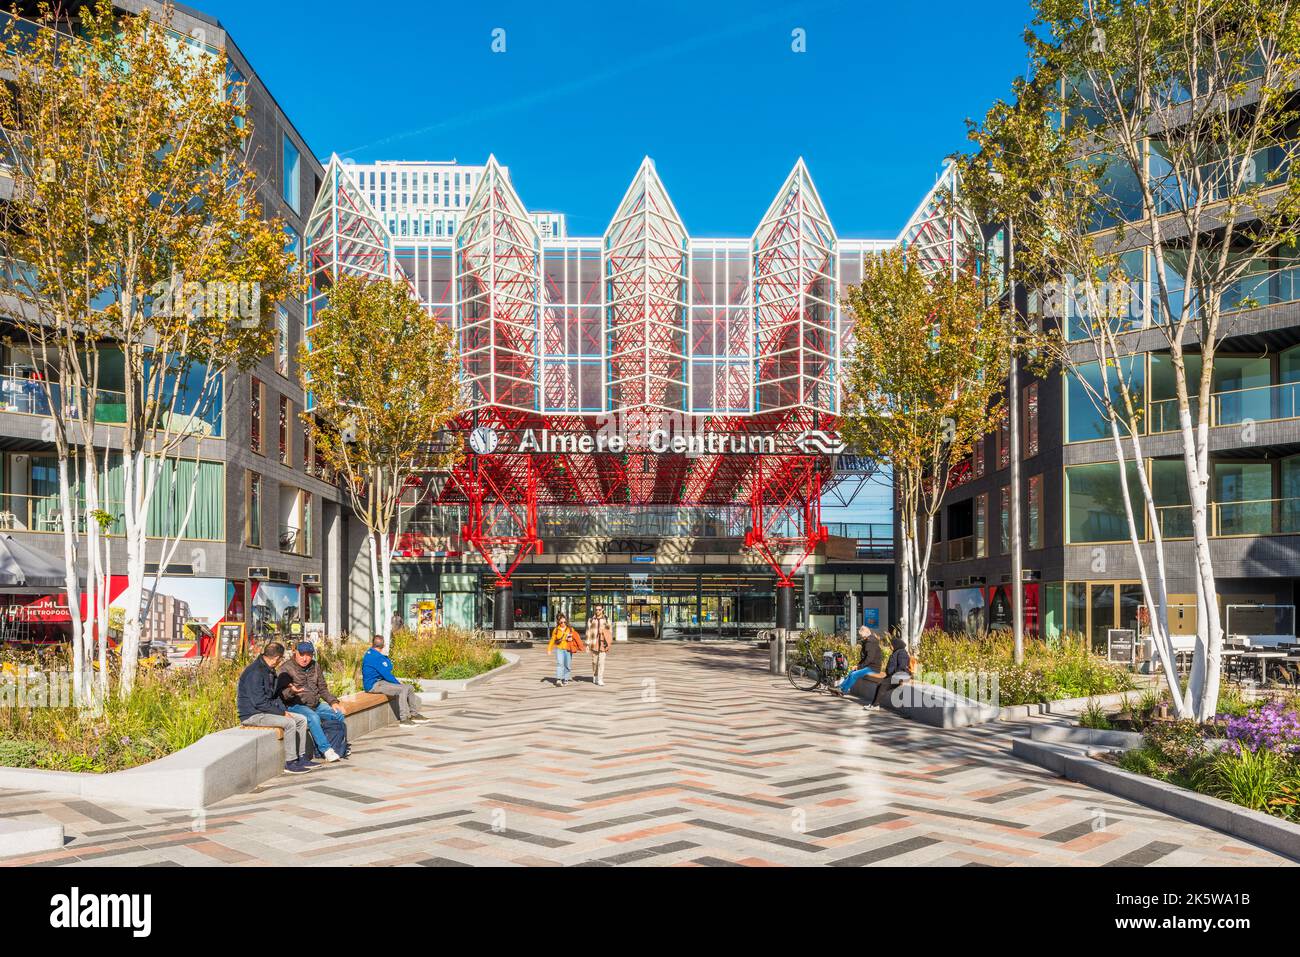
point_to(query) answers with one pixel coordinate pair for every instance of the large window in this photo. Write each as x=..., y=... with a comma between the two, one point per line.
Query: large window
x=1035, y=511
x=1172, y=501
x=1004, y=439
x=1004, y=525
x=252, y=510
x=282, y=340
x=1243, y=493
x=1029, y=403
x=1084, y=420
x=1095, y=505
x=256, y=418
x=291, y=186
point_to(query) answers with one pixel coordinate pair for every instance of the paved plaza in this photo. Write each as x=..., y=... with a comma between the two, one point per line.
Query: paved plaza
x=691, y=754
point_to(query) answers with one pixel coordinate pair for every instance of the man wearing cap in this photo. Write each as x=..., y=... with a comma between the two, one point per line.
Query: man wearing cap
x=305, y=692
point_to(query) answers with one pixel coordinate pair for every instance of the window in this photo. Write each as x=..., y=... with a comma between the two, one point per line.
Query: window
x=1084, y=422
x=1004, y=509
x=291, y=172
x=1029, y=403
x=1094, y=503
x=282, y=340
x=1035, y=511
x=977, y=457
x=982, y=526
x=286, y=446
x=252, y=510
x=308, y=448
x=256, y=400
x=1004, y=439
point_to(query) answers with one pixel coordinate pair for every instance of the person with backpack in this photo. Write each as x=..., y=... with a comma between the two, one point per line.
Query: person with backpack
x=565, y=641
x=600, y=638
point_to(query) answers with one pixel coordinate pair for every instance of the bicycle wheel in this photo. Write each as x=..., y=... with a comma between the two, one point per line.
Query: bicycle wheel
x=803, y=673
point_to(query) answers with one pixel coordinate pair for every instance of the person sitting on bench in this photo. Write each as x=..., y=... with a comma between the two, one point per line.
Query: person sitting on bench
x=898, y=670
x=259, y=706
x=377, y=678
x=303, y=688
x=870, y=660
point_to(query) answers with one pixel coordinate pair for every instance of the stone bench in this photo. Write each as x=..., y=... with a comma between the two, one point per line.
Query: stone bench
x=927, y=703
x=356, y=708
x=19, y=836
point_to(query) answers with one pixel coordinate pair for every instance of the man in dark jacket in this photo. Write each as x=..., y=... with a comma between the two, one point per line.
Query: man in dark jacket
x=870, y=659
x=304, y=690
x=259, y=706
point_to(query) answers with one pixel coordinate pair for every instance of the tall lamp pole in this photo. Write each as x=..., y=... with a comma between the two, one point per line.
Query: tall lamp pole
x=1013, y=414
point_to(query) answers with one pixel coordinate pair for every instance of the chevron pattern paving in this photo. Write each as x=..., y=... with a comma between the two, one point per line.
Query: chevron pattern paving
x=690, y=755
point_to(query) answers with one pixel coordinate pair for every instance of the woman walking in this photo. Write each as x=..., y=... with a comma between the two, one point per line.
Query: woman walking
x=564, y=642
x=599, y=639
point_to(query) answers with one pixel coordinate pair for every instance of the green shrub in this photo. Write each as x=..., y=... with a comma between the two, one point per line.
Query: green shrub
x=1094, y=717
x=1064, y=668
x=1260, y=780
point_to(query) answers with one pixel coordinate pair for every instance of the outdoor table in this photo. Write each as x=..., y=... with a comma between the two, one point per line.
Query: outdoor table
x=1263, y=657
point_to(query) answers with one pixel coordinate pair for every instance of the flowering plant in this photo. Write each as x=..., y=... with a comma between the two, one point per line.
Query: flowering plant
x=1269, y=728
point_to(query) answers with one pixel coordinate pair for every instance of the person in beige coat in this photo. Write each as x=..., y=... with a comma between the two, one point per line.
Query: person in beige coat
x=599, y=638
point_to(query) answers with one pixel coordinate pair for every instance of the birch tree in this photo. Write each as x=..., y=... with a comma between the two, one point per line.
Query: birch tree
x=137, y=138
x=1166, y=127
x=924, y=381
x=383, y=376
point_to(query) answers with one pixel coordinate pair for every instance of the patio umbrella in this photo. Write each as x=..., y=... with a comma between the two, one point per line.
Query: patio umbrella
x=22, y=566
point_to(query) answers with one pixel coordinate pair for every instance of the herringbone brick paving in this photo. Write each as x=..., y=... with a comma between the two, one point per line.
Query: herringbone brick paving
x=691, y=754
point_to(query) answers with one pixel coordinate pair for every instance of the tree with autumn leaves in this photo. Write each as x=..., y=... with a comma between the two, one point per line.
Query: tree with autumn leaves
x=133, y=229
x=383, y=380
x=926, y=369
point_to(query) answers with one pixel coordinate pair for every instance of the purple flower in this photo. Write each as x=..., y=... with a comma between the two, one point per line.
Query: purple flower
x=1266, y=729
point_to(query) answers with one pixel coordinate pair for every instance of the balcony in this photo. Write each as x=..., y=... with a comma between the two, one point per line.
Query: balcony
x=1266, y=403
x=1278, y=516
x=961, y=549
x=27, y=396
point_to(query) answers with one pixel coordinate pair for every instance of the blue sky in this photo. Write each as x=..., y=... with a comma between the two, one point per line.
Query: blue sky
x=711, y=90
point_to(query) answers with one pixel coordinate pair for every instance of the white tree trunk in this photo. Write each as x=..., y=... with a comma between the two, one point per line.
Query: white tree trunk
x=386, y=589
x=68, y=513
x=1203, y=684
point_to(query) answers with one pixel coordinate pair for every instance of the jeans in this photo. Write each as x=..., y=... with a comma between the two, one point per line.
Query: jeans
x=563, y=664
x=852, y=678
x=294, y=727
x=313, y=716
x=407, y=703
x=598, y=665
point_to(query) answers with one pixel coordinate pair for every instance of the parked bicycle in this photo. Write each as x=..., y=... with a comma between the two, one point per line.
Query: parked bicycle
x=810, y=671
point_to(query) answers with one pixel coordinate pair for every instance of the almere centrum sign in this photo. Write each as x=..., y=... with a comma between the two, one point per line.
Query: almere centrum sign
x=658, y=441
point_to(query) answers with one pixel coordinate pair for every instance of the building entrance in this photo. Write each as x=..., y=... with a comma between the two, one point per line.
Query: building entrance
x=651, y=606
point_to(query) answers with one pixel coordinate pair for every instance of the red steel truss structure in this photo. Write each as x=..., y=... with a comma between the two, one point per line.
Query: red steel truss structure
x=643, y=368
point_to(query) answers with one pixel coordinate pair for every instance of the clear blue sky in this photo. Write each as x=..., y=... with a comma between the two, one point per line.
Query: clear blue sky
x=711, y=90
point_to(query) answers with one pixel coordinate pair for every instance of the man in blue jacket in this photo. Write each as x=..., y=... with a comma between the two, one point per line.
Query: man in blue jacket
x=377, y=677
x=259, y=706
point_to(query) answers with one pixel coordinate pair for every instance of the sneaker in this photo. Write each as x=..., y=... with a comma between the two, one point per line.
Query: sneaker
x=408, y=723
x=301, y=766
x=419, y=719
x=331, y=756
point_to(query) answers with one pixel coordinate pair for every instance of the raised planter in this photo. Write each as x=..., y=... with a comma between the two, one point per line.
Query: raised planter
x=929, y=704
x=1274, y=834
x=222, y=764
x=1068, y=706
x=464, y=684
x=18, y=836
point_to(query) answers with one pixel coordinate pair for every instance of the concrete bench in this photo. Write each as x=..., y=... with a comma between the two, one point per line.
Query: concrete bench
x=19, y=836
x=355, y=709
